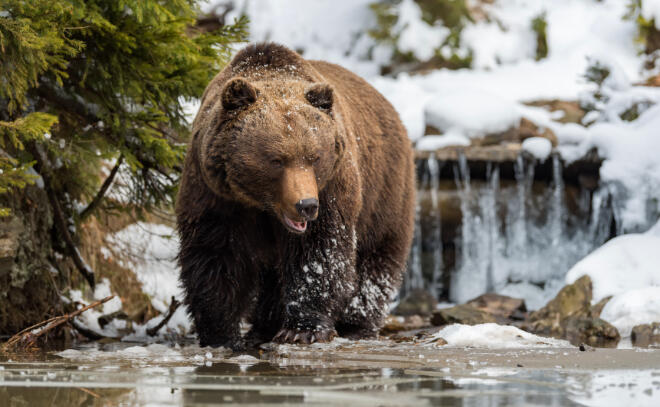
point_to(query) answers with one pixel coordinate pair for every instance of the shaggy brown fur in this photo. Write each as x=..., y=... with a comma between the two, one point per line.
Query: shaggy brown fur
x=296, y=206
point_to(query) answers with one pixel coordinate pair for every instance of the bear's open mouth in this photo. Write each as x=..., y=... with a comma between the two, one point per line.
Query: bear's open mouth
x=297, y=227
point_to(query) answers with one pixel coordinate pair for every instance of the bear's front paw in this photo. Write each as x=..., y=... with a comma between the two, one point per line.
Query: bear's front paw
x=305, y=336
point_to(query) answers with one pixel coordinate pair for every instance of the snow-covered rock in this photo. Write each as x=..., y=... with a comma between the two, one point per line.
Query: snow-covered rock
x=538, y=147
x=627, y=268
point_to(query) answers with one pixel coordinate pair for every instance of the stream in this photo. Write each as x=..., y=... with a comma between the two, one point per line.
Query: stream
x=370, y=373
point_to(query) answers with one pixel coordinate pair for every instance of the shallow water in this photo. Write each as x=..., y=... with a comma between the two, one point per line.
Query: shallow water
x=352, y=373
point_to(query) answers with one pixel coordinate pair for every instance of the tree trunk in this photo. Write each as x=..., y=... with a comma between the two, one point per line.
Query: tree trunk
x=28, y=281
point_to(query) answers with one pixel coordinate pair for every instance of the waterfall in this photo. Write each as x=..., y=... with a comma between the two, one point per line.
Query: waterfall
x=516, y=236
x=436, y=225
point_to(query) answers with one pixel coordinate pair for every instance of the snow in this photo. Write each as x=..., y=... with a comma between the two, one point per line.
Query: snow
x=149, y=250
x=651, y=11
x=625, y=263
x=539, y=147
x=634, y=307
x=494, y=336
x=415, y=35
x=627, y=268
x=431, y=142
x=470, y=111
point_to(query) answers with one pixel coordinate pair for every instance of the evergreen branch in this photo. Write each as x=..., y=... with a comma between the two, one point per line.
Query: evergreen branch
x=101, y=193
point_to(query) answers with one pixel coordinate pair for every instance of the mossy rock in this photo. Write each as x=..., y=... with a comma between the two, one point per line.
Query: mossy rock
x=461, y=314
x=571, y=316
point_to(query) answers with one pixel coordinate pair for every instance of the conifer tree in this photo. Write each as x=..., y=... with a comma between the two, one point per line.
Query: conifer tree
x=84, y=83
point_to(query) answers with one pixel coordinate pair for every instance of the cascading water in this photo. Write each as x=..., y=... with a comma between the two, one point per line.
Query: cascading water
x=433, y=183
x=516, y=237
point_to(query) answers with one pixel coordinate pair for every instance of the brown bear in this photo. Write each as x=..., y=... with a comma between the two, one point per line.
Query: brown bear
x=296, y=204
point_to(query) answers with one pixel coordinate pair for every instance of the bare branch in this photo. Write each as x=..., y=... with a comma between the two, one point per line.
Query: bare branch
x=27, y=337
x=104, y=188
x=174, y=305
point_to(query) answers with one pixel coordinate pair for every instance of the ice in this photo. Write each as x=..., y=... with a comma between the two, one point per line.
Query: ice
x=494, y=336
x=618, y=388
x=538, y=147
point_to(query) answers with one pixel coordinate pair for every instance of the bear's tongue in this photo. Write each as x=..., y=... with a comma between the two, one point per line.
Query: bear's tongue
x=298, y=226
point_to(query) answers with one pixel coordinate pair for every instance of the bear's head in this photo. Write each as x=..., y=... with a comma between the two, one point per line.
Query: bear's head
x=274, y=146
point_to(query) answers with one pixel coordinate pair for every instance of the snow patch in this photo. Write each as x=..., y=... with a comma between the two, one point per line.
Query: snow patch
x=539, y=147
x=494, y=336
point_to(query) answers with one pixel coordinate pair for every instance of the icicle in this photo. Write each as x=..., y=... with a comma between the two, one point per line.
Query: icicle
x=438, y=267
x=557, y=202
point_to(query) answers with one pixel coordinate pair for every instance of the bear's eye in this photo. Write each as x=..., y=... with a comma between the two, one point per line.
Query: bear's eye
x=316, y=159
x=276, y=163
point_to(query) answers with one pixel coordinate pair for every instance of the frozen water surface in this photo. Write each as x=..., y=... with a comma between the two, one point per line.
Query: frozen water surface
x=382, y=373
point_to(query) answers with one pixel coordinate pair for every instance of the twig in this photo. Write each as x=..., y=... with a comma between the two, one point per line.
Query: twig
x=27, y=337
x=174, y=305
x=91, y=393
x=104, y=188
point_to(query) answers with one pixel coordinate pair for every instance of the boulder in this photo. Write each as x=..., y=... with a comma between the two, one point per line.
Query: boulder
x=592, y=331
x=646, y=335
x=417, y=302
x=395, y=324
x=502, y=307
x=571, y=316
x=461, y=314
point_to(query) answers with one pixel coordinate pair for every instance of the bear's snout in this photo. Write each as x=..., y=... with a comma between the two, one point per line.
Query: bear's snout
x=308, y=208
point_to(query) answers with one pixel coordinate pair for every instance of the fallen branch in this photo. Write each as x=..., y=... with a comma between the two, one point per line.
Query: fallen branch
x=27, y=338
x=174, y=305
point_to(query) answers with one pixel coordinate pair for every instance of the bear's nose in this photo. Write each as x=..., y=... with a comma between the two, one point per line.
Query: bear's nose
x=307, y=208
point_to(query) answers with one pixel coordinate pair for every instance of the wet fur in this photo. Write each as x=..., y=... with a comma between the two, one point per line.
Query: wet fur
x=237, y=259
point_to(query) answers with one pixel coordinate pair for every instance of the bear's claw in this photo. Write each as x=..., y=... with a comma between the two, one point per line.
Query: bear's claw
x=304, y=336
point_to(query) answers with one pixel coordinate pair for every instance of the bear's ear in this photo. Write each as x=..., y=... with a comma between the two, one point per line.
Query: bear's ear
x=238, y=93
x=320, y=95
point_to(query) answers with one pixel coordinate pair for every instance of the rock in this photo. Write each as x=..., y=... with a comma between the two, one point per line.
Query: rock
x=417, y=302
x=591, y=331
x=461, y=314
x=507, y=152
x=527, y=129
x=570, y=316
x=646, y=335
x=395, y=324
x=11, y=229
x=573, y=113
x=439, y=342
x=598, y=308
x=572, y=300
x=502, y=307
